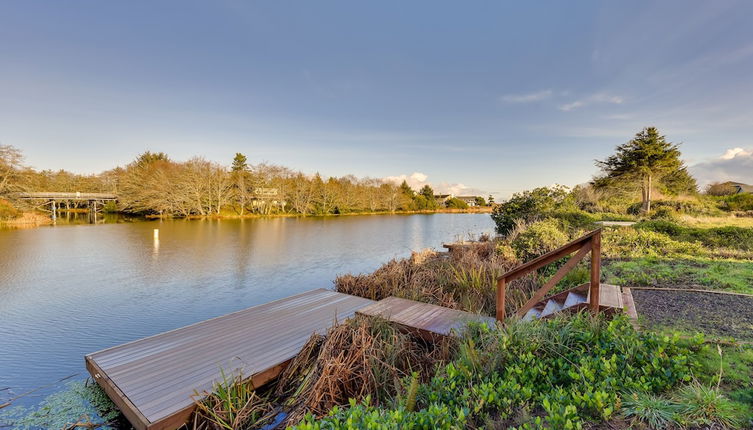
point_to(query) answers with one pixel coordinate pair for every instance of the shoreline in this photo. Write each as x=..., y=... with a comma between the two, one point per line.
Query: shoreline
x=35, y=219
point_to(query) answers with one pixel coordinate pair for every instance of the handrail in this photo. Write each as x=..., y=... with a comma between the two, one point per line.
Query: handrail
x=590, y=242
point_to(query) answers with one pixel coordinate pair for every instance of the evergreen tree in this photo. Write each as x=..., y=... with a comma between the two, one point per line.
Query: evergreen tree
x=428, y=193
x=647, y=160
x=240, y=173
x=407, y=190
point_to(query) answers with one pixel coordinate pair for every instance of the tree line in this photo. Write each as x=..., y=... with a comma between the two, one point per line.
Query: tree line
x=155, y=184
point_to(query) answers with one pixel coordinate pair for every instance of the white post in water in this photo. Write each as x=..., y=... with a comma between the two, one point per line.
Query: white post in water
x=156, y=234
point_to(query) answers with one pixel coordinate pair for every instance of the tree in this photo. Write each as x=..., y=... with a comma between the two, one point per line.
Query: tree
x=428, y=193
x=528, y=206
x=407, y=190
x=480, y=201
x=490, y=200
x=11, y=161
x=240, y=177
x=646, y=160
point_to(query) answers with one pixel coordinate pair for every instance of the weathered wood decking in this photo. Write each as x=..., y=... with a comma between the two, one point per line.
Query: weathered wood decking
x=423, y=319
x=152, y=380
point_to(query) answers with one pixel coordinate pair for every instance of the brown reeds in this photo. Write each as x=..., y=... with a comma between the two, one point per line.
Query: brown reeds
x=362, y=357
x=464, y=279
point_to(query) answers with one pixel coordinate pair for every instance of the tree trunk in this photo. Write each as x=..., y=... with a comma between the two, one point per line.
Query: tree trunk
x=648, y=195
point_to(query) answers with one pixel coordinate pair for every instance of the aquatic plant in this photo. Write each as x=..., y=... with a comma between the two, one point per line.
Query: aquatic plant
x=79, y=404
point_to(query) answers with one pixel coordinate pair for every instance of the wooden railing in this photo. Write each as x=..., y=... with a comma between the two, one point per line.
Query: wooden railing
x=582, y=246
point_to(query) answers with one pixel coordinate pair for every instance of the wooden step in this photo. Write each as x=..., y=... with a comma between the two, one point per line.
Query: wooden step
x=574, y=299
x=610, y=296
x=532, y=314
x=551, y=307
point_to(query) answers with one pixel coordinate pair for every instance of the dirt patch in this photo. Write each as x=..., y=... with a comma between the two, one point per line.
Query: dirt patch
x=710, y=313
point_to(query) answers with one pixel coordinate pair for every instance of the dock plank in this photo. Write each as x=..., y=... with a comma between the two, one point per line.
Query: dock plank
x=152, y=380
x=424, y=319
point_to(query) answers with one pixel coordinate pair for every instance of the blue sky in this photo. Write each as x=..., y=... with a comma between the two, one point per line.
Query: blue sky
x=488, y=96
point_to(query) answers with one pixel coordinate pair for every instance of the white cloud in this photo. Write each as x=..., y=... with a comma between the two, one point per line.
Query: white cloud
x=736, y=164
x=417, y=180
x=527, y=98
x=574, y=105
x=598, y=98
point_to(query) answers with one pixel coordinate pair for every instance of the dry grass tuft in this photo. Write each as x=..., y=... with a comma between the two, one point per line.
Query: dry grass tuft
x=463, y=279
x=362, y=357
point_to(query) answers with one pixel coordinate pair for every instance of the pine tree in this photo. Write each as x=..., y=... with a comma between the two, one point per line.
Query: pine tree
x=647, y=159
x=240, y=174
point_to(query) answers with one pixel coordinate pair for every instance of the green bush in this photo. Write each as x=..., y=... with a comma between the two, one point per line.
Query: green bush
x=527, y=206
x=716, y=237
x=738, y=202
x=691, y=206
x=539, y=238
x=628, y=242
x=366, y=416
x=576, y=218
x=456, y=203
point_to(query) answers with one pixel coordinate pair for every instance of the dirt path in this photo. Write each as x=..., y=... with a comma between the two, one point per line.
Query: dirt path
x=710, y=313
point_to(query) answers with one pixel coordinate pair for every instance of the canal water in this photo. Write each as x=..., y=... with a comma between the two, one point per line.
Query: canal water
x=69, y=290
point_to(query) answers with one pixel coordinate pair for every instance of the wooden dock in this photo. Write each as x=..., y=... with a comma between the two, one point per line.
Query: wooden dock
x=423, y=319
x=152, y=380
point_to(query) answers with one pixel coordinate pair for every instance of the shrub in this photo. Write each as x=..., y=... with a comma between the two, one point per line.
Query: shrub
x=716, y=237
x=7, y=211
x=456, y=203
x=629, y=242
x=576, y=218
x=740, y=202
x=539, y=238
x=527, y=206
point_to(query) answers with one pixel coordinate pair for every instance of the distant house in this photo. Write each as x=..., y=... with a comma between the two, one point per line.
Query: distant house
x=739, y=187
x=442, y=198
x=469, y=200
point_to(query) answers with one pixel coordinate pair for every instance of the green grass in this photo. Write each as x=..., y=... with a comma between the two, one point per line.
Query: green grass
x=705, y=273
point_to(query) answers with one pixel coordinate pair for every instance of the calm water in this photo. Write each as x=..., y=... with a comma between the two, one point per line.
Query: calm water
x=73, y=289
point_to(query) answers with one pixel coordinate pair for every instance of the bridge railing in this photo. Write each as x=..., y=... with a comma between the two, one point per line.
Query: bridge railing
x=67, y=196
x=591, y=242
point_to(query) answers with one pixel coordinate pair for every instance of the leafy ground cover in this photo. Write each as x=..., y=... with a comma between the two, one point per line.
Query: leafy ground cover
x=562, y=374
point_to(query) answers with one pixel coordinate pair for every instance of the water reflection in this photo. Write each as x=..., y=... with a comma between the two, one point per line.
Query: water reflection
x=73, y=289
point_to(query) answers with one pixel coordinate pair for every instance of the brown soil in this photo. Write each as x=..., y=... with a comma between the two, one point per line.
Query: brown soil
x=725, y=315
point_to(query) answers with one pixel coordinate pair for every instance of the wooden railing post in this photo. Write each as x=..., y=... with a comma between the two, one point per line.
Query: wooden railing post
x=595, y=272
x=501, y=286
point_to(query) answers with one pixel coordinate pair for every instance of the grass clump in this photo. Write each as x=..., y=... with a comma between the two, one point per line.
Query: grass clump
x=655, y=411
x=700, y=405
x=364, y=358
x=232, y=404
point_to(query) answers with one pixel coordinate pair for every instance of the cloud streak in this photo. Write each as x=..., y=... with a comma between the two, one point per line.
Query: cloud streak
x=598, y=98
x=527, y=98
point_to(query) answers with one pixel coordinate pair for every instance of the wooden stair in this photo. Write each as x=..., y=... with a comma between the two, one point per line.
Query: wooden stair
x=612, y=298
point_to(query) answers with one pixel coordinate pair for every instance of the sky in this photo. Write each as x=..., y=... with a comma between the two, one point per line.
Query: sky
x=470, y=97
